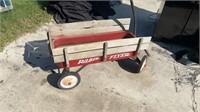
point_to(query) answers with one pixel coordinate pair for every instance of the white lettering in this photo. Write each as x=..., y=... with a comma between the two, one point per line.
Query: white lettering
x=119, y=55
x=88, y=60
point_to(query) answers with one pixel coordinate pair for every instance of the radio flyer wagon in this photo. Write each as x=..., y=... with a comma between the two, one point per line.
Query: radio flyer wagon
x=89, y=42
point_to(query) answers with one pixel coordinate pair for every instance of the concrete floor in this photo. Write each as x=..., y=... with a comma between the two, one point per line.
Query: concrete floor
x=27, y=85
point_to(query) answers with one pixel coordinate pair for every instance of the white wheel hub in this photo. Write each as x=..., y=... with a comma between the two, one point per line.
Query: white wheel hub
x=143, y=64
x=69, y=81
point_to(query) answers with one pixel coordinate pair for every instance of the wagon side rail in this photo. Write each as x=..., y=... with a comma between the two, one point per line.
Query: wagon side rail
x=100, y=49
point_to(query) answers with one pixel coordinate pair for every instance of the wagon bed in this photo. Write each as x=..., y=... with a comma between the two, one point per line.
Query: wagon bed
x=89, y=42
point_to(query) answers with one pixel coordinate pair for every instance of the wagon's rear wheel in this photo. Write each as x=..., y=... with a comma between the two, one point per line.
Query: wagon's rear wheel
x=142, y=64
x=69, y=80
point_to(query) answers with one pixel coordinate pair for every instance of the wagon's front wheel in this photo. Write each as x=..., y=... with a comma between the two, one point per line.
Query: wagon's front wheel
x=69, y=80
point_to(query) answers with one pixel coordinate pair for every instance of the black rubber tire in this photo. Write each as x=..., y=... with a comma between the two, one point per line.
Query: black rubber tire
x=142, y=64
x=69, y=74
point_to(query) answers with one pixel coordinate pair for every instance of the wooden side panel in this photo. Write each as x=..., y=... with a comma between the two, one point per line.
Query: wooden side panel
x=90, y=24
x=99, y=52
x=71, y=33
x=99, y=45
x=97, y=59
x=70, y=30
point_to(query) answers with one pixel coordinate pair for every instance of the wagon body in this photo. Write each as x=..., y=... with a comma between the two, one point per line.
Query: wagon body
x=83, y=43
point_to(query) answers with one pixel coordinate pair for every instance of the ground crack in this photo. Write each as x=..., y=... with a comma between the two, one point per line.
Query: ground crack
x=188, y=79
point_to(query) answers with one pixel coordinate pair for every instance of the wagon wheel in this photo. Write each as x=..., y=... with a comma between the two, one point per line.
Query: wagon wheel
x=69, y=80
x=142, y=64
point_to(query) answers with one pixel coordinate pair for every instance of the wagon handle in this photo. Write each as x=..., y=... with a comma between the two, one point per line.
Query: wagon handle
x=134, y=16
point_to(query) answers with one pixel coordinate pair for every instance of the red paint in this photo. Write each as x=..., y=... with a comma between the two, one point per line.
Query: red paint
x=98, y=59
x=63, y=40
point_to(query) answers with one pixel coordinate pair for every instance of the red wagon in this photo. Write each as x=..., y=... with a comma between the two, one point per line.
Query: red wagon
x=89, y=42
